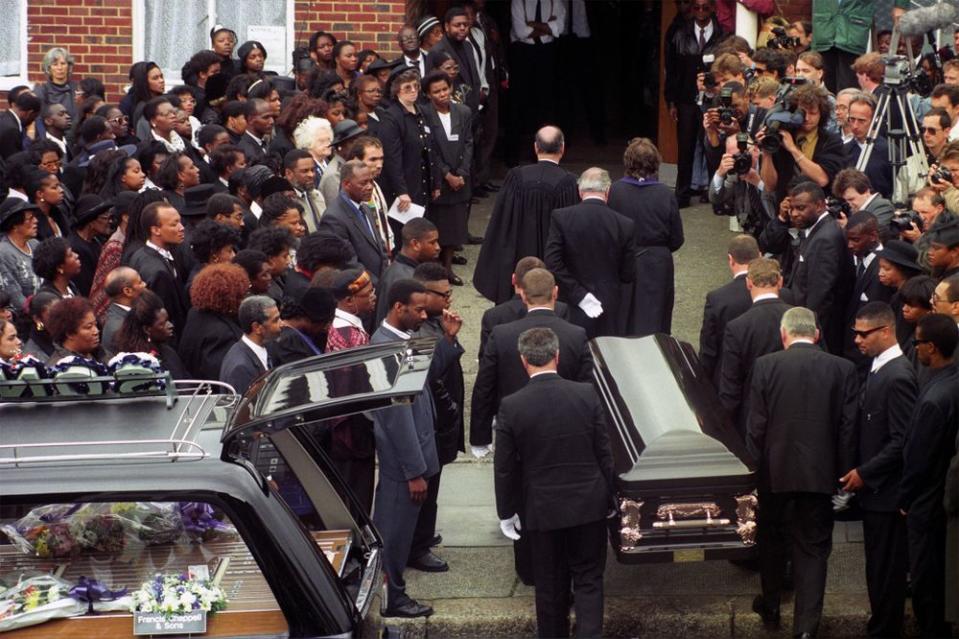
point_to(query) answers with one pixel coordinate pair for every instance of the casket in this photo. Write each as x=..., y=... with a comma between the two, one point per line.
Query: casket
x=684, y=480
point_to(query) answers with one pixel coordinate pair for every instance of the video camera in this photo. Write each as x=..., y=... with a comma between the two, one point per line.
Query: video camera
x=743, y=159
x=782, y=116
x=781, y=40
x=898, y=74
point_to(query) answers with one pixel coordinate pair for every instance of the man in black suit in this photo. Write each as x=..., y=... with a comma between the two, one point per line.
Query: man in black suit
x=750, y=336
x=155, y=262
x=15, y=120
x=554, y=485
x=878, y=169
x=247, y=359
x=456, y=27
x=725, y=304
x=421, y=244
x=253, y=142
x=862, y=238
x=886, y=407
x=801, y=431
x=501, y=372
x=930, y=445
x=123, y=286
x=514, y=309
x=347, y=216
x=822, y=275
x=591, y=253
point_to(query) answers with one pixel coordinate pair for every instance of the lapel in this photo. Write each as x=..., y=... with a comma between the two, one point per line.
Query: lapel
x=169, y=266
x=252, y=358
x=350, y=212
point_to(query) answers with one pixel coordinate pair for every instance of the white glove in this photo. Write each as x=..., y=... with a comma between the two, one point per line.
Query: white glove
x=510, y=527
x=591, y=306
x=840, y=501
x=479, y=452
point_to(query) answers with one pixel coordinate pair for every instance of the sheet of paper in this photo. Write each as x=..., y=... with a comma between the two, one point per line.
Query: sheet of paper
x=273, y=39
x=403, y=217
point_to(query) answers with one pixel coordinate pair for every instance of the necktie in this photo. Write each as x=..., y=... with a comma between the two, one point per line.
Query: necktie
x=309, y=202
x=860, y=269
x=365, y=217
x=702, y=39
x=539, y=13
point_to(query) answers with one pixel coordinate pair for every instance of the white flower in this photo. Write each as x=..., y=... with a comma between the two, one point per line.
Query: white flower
x=186, y=600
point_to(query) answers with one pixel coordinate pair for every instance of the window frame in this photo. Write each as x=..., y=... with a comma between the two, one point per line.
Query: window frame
x=173, y=76
x=10, y=81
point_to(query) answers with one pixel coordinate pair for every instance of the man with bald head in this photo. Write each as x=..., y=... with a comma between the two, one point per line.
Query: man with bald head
x=591, y=252
x=519, y=225
x=123, y=286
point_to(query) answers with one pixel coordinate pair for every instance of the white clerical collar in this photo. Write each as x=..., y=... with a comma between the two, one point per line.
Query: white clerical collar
x=538, y=373
x=556, y=162
x=162, y=251
x=885, y=357
x=539, y=308
x=259, y=351
x=765, y=296
x=394, y=330
x=595, y=197
x=802, y=340
x=345, y=319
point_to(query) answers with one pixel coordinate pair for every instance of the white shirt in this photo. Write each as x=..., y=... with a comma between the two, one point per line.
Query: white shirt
x=60, y=143
x=537, y=374
x=707, y=31
x=446, y=119
x=417, y=63
x=954, y=132
x=765, y=296
x=395, y=330
x=885, y=357
x=802, y=340
x=866, y=261
x=579, y=24
x=345, y=319
x=258, y=350
x=523, y=11
x=256, y=209
x=162, y=251
x=809, y=230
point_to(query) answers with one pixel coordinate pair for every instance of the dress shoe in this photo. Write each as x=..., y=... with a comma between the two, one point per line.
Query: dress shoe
x=770, y=618
x=683, y=202
x=492, y=187
x=408, y=609
x=459, y=260
x=474, y=239
x=437, y=540
x=429, y=563
x=455, y=279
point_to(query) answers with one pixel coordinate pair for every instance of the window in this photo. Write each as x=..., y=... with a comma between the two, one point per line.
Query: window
x=168, y=32
x=13, y=43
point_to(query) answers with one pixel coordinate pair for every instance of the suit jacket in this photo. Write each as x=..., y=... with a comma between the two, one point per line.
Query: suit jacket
x=311, y=216
x=590, y=249
x=405, y=169
x=747, y=338
x=822, y=277
x=930, y=445
x=401, y=268
x=802, y=419
x=330, y=181
x=342, y=220
x=111, y=324
x=507, y=312
x=888, y=399
x=452, y=154
x=255, y=153
x=723, y=305
x=884, y=211
x=553, y=463
x=878, y=169
x=404, y=433
x=205, y=341
x=468, y=73
x=866, y=288
x=160, y=277
x=501, y=371
x=11, y=135
x=240, y=367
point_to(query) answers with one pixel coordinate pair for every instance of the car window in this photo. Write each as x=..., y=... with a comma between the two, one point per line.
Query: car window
x=61, y=562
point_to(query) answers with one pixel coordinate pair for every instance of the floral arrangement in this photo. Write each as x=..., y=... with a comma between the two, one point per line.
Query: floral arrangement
x=34, y=600
x=24, y=368
x=178, y=594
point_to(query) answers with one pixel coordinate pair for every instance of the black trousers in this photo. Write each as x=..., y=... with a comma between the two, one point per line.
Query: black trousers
x=927, y=569
x=689, y=133
x=887, y=561
x=576, y=555
x=426, y=522
x=837, y=65
x=804, y=520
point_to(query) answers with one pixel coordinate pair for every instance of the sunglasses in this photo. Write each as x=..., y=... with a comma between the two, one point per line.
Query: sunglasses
x=869, y=331
x=447, y=294
x=930, y=130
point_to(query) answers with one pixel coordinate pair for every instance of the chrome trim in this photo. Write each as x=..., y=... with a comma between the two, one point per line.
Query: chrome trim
x=372, y=575
x=195, y=451
x=616, y=414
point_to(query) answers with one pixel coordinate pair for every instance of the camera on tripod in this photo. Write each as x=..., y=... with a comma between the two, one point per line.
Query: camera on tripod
x=835, y=206
x=781, y=40
x=743, y=159
x=782, y=116
x=903, y=221
x=897, y=74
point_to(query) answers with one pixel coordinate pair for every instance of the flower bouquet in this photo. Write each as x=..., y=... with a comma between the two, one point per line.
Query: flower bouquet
x=35, y=600
x=178, y=594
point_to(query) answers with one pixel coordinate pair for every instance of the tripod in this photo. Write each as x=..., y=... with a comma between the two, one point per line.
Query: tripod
x=907, y=154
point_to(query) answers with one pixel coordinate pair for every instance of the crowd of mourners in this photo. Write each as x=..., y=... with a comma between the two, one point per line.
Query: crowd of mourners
x=244, y=220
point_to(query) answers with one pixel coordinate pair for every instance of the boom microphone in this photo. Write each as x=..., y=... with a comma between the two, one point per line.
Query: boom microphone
x=919, y=21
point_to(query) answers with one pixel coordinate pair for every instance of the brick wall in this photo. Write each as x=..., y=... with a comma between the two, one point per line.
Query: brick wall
x=370, y=25
x=796, y=9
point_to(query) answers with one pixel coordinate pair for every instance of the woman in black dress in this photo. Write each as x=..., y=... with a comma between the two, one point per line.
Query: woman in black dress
x=652, y=206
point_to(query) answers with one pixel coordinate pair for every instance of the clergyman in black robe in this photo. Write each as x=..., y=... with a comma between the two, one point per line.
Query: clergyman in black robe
x=519, y=226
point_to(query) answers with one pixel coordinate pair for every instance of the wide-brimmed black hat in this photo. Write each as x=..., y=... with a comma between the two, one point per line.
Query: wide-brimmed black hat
x=275, y=184
x=345, y=130
x=381, y=65
x=902, y=254
x=89, y=207
x=318, y=304
x=944, y=231
x=13, y=205
x=196, y=198
x=425, y=25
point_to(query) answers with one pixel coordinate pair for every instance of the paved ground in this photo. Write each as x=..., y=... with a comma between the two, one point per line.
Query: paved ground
x=481, y=595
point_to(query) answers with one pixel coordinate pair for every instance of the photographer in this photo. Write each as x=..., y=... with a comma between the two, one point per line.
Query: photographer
x=936, y=125
x=736, y=188
x=805, y=147
x=861, y=109
x=928, y=204
x=730, y=114
x=855, y=189
x=771, y=63
x=944, y=176
x=762, y=93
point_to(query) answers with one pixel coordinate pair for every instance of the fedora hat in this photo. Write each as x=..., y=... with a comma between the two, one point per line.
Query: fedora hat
x=902, y=254
x=345, y=130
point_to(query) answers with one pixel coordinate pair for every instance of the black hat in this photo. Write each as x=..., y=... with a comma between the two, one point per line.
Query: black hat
x=89, y=207
x=318, y=304
x=380, y=64
x=425, y=25
x=349, y=282
x=121, y=204
x=13, y=205
x=247, y=47
x=944, y=231
x=902, y=254
x=275, y=184
x=345, y=130
x=254, y=177
x=196, y=198
x=215, y=88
